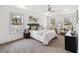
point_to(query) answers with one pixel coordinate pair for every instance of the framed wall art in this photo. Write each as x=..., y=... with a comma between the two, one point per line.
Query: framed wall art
x=33, y=19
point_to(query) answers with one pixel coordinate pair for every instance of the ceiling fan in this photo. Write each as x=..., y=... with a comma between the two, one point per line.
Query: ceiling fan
x=50, y=9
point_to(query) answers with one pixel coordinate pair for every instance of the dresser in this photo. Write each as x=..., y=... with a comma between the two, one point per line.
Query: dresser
x=71, y=43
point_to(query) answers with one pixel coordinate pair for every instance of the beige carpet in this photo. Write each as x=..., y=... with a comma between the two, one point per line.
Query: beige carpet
x=33, y=46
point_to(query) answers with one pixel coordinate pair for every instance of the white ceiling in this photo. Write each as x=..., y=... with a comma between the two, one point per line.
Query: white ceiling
x=60, y=9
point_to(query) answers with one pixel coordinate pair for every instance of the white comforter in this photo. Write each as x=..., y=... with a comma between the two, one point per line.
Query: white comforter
x=45, y=36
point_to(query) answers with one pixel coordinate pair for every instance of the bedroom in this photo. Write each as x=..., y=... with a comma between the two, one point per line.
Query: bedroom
x=45, y=23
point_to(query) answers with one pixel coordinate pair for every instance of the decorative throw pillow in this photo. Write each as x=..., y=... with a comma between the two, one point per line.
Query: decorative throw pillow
x=33, y=28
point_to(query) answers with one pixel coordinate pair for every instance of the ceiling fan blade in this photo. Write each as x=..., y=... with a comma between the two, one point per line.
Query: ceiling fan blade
x=49, y=8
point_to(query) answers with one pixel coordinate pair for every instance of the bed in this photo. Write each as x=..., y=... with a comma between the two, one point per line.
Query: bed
x=44, y=36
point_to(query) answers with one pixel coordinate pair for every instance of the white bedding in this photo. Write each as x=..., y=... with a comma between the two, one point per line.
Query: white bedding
x=45, y=36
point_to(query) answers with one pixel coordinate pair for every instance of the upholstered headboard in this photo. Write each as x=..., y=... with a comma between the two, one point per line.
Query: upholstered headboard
x=31, y=25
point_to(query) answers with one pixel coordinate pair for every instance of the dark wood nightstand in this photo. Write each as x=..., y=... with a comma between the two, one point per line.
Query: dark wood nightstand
x=27, y=35
x=71, y=43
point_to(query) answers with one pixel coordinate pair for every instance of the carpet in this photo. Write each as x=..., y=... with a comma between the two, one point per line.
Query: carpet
x=33, y=46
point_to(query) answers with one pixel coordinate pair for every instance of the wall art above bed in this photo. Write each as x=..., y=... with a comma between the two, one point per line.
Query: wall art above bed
x=33, y=19
x=16, y=22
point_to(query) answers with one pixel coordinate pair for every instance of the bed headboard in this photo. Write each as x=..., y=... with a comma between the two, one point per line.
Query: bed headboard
x=33, y=24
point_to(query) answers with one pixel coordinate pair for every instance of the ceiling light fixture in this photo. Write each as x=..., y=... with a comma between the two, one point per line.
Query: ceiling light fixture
x=49, y=12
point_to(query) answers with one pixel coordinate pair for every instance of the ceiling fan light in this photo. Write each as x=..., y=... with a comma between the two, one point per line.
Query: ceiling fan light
x=48, y=14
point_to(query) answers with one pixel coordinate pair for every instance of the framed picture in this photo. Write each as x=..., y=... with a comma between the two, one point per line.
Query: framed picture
x=33, y=19
x=16, y=22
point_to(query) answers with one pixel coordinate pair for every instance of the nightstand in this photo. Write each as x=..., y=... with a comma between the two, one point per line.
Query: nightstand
x=71, y=43
x=27, y=35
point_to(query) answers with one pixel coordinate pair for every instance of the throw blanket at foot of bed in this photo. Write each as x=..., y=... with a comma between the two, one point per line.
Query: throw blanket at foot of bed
x=45, y=36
